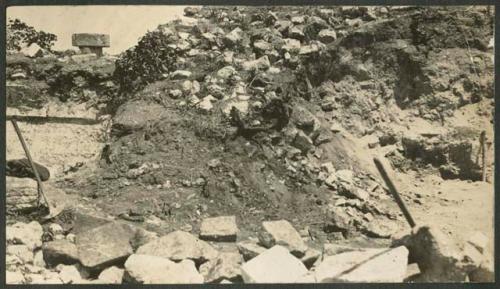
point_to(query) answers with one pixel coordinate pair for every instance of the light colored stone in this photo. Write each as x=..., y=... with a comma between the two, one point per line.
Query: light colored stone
x=234, y=37
x=261, y=63
x=21, y=233
x=38, y=259
x=112, y=275
x=249, y=249
x=60, y=252
x=219, y=229
x=55, y=229
x=291, y=45
x=310, y=256
x=180, y=74
x=327, y=36
x=23, y=252
x=14, y=277
x=262, y=45
x=284, y=234
x=240, y=105
x=34, y=50
x=178, y=246
x=69, y=274
x=275, y=265
x=370, y=266
x=225, y=267
x=105, y=245
x=145, y=269
x=206, y=103
x=83, y=58
x=226, y=72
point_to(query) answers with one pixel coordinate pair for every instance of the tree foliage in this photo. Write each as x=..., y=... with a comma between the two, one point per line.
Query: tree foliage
x=20, y=34
x=146, y=62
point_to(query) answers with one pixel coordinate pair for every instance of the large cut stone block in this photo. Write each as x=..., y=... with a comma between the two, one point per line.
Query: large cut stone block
x=90, y=40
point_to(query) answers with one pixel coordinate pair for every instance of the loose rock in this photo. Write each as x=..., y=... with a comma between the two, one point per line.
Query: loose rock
x=146, y=269
x=222, y=229
x=275, y=265
x=284, y=234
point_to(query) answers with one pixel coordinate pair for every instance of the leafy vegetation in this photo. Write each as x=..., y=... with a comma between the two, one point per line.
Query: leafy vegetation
x=20, y=34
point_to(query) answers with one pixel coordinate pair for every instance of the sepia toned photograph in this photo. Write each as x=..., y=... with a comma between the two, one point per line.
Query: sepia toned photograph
x=162, y=144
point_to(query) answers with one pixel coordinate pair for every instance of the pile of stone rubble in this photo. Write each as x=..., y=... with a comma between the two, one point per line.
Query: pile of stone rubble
x=116, y=252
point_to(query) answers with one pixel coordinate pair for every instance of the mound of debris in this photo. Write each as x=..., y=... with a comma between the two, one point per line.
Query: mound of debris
x=272, y=116
x=115, y=252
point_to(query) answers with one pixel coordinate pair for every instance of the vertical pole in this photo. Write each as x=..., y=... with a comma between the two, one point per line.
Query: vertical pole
x=482, y=139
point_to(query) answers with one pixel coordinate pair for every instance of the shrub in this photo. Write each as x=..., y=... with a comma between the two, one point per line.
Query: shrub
x=20, y=34
x=146, y=62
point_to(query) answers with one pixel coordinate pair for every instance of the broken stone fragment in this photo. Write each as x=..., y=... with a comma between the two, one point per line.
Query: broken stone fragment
x=310, y=256
x=22, y=194
x=105, y=245
x=60, y=252
x=327, y=36
x=275, y=265
x=284, y=234
x=28, y=234
x=69, y=274
x=291, y=45
x=147, y=269
x=261, y=63
x=23, y=252
x=226, y=72
x=222, y=229
x=178, y=246
x=225, y=267
x=234, y=37
x=249, y=249
x=303, y=142
x=368, y=266
x=180, y=74
x=112, y=275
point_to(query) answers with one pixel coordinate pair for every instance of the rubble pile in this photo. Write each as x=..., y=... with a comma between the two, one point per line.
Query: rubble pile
x=241, y=145
x=116, y=252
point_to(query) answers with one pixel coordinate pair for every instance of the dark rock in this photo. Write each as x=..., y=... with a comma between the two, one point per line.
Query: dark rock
x=60, y=252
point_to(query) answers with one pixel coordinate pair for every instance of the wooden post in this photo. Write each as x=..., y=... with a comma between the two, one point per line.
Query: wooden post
x=482, y=140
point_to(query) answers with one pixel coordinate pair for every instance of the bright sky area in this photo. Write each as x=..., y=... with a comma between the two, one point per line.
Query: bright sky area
x=124, y=23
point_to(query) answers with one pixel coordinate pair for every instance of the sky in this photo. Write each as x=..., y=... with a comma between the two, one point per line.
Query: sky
x=124, y=23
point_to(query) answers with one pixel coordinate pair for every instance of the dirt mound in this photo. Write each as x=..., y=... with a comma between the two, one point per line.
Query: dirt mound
x=277, y=114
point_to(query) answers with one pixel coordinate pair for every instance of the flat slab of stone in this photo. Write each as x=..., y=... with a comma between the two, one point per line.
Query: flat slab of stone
x=146, y=269
x=105, y=245
x=29, y=234
x=373, y=266
x=222, y=229
x=275, y=265
x=283, y=233
x=178, y=246
x=225, y=267
x=22, y=194
x=90, y=40
x=60, y=252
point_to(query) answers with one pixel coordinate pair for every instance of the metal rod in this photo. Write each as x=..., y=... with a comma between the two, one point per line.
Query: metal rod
x=394, y=192
x=28, y=155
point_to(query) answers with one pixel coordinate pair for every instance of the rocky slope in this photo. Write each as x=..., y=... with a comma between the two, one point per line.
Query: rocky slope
x=271, y=114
